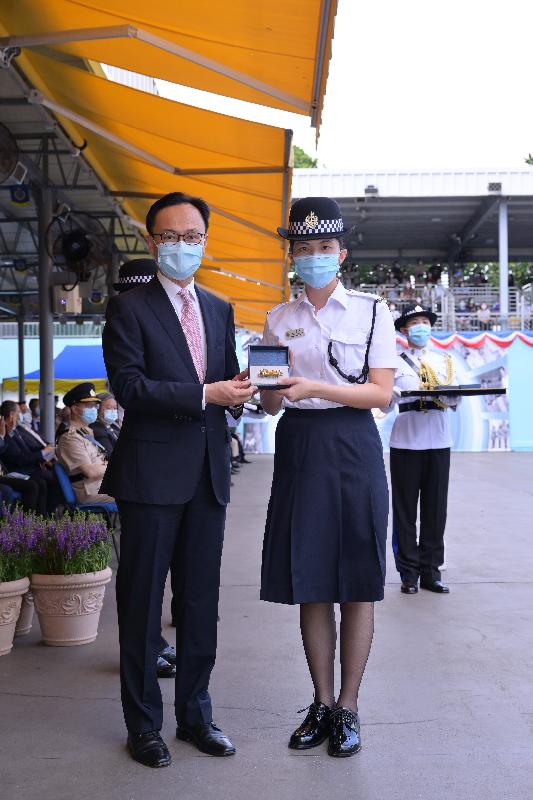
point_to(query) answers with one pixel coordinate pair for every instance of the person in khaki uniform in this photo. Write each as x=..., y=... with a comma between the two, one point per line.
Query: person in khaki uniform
x=78, y=451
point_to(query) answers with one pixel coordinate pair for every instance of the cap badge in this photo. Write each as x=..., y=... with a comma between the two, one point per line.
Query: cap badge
x=92, y=393
x=311, y=220
x=418, y=308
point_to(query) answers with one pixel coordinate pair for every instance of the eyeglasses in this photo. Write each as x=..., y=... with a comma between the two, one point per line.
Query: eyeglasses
x=171, y=237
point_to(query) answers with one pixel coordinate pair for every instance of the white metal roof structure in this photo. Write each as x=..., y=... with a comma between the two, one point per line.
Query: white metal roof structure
x=448, y=215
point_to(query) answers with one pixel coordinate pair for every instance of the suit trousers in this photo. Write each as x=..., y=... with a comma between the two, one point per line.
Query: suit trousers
x=424, y=475
x=188, y=539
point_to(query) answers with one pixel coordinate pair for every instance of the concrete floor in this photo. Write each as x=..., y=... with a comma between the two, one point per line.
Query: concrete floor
x=446, y=704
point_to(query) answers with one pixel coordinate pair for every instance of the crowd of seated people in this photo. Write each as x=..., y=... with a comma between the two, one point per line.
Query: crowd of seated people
x=82, y=446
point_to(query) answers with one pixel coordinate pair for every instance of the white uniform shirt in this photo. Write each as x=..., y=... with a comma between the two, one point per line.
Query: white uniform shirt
x=420, y=430
x=345, y=320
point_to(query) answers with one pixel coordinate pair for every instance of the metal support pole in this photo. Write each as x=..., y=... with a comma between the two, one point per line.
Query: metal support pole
x=20, y=323
x=46, y=329
x=503, y=249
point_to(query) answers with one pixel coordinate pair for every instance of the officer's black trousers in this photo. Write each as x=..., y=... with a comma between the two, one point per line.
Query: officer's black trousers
x=419, y=474
x=153, y=538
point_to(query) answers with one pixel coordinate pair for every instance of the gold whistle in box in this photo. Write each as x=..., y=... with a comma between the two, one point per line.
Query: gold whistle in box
x=269, y=373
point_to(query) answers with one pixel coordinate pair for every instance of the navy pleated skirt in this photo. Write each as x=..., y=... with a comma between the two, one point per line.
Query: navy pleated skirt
x=326, y=525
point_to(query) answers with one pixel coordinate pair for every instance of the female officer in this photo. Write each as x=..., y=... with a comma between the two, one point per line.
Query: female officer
x=327, y=516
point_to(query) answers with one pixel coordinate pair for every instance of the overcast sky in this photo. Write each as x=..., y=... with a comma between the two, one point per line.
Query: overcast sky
x=417, y=84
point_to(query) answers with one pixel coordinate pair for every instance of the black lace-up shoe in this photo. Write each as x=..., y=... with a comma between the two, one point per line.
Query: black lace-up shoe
x=149, y=749
x=434, y=586
x=314, y=729
x=345, y=737
x=207, y=738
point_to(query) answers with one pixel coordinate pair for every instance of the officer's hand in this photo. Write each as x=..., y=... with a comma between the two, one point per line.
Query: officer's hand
x=296, y=388
x=229, y=393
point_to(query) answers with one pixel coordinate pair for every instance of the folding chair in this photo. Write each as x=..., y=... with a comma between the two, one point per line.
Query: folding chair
x=69, y=497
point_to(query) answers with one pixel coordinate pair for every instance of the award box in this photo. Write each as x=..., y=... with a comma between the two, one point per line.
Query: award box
x=267, y=365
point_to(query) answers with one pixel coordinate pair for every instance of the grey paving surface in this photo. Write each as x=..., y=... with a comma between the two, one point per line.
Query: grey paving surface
x=446, y=706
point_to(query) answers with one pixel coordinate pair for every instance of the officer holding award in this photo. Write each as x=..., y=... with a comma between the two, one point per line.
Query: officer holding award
x=327, y=516
x=420, y=454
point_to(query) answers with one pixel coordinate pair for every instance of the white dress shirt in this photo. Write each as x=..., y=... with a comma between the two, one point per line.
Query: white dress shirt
x=421, y=430
x=172, y=289
x=345, y=320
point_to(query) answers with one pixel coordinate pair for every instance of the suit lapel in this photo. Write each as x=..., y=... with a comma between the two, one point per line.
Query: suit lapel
x=163, y=309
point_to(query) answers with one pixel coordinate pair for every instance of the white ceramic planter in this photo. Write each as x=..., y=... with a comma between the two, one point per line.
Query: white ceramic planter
x=25, y=620
x=10, y=602
x=68, y=606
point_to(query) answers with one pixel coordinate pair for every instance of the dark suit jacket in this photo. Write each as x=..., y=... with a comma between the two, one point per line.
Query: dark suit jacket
x=160, y=453
x=18, y=458
x=104, y=436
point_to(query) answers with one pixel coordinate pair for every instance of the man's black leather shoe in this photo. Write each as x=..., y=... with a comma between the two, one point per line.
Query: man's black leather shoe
x=207, y=738
x=345, y=736
x=149, y=749
x=164, y=669
x=408, y=588
x=315, y=728
x=244, y=460
x=434, y=586
x=169, y=654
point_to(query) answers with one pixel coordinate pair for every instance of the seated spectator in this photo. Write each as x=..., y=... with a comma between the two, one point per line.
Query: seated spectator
x=64, y=423
x=106, y=429
x=395, y=314
x=26, y=460
x=483, y=317
x=83, y=457
x=35, y=413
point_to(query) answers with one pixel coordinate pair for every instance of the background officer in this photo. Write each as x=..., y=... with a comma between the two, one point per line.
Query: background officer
x=420, y=454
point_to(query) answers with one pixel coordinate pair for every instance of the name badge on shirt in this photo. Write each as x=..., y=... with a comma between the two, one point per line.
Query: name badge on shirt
x=295, y=333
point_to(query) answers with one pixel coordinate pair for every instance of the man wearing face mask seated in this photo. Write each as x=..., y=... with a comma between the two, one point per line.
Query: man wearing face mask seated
x=78, y=451
x=420, y=454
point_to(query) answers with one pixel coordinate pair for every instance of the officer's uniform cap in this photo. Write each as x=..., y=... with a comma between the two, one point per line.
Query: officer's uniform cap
x=82, y=393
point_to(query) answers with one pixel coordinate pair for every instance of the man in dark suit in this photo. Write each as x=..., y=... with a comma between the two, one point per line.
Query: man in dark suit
x=169, y=349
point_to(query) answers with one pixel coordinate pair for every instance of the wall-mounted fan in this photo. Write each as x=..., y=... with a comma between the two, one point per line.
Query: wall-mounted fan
x=80, y=244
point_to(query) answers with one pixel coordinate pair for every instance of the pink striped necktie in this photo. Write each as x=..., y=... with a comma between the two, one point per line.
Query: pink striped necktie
x=191, y=329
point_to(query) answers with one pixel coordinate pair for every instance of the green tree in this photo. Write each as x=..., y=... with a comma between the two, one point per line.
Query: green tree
x=301, y=159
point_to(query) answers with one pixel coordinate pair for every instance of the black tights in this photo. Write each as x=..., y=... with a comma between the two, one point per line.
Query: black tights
x=319, y=636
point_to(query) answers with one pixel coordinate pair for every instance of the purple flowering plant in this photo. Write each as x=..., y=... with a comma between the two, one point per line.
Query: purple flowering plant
x=72, y=545
x=18, y=538
x=67, y=545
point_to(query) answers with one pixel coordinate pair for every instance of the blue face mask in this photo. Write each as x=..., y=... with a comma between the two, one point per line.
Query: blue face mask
x=179, y=261
x=111, y=415
x=89, y=415
x=317, y=270
x=419, y=334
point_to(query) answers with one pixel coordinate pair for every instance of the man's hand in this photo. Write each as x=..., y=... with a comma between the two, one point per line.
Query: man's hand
x=2, y=427
x=229, y=393
x=242, y=376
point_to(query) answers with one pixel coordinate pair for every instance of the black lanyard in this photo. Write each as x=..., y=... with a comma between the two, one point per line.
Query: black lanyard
x=363, y=377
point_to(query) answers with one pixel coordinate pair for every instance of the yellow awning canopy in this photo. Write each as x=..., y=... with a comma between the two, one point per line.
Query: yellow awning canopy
x=143, y=146
x=272, y=52
x=240, y=168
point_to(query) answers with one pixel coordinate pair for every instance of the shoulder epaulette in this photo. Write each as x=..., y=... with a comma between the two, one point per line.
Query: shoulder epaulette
x=367, y=295
x=279, y=305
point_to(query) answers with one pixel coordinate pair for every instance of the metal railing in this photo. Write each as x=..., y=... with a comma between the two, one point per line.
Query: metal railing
x=83, y=329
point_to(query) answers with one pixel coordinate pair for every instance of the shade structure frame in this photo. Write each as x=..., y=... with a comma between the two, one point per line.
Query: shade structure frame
x=251, y=54
x=249, y=238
